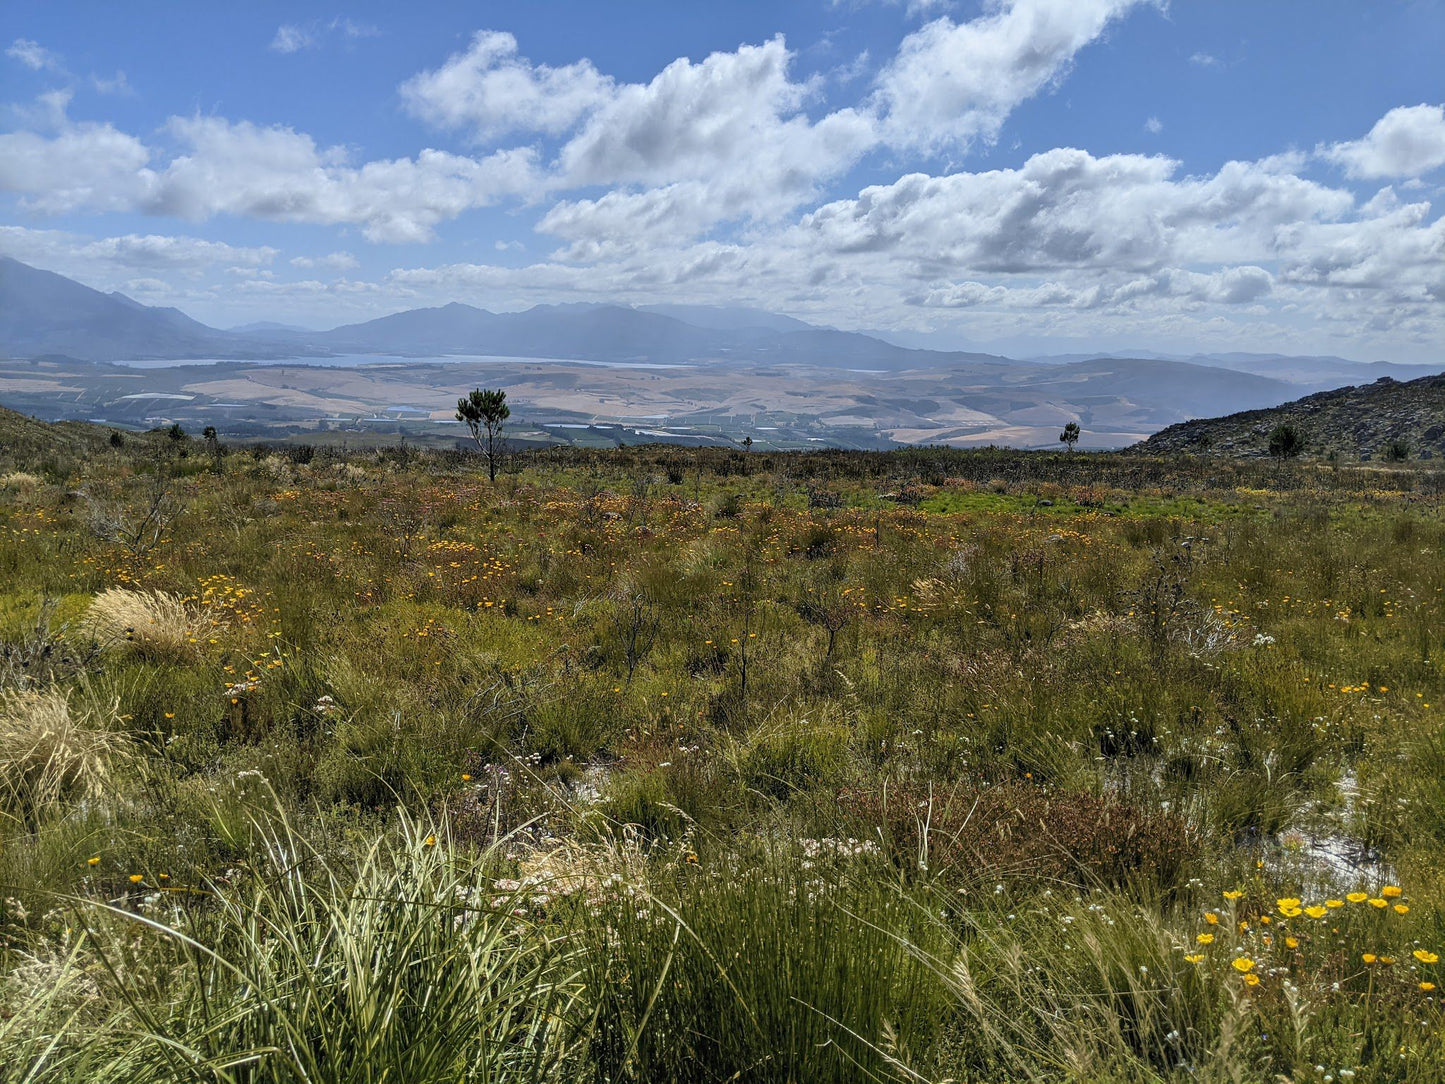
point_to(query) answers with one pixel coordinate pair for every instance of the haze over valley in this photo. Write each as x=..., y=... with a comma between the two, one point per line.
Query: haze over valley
x=598, y=374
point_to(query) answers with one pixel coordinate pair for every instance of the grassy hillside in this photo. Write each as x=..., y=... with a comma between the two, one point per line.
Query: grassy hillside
x=1384, y=420
x=25, y=440
x=662, y=765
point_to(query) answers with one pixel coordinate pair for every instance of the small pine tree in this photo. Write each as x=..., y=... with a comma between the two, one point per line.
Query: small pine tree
x=484, y=411
x=1285, y=441
x=1070, y=435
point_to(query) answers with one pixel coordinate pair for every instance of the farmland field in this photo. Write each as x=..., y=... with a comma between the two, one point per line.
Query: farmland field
x=664, y=764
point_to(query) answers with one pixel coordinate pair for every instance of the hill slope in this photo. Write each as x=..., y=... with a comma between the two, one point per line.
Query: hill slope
x=1355, y=422
x=45, y=313
x=26, y=440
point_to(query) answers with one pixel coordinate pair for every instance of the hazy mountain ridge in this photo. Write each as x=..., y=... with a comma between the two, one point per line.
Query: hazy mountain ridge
x=45, y=313
x=721, y=368
x=1358, y=422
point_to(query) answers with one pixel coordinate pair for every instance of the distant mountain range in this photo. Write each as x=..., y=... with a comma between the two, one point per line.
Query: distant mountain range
x=1366, y=422
x=45, y=313
x=710, y=364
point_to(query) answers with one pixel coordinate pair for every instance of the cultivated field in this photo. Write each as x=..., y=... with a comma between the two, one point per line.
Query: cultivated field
x=671, y=765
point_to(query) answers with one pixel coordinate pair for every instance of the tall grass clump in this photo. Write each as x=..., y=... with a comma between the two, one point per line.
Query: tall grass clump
x=46, y=1002
x=411, y=965
x=1087, y=988
x=153, y=624
x=763, y=969
x=53, y=752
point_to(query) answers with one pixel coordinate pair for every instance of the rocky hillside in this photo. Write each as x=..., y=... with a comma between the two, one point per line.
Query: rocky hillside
x=1352, y=423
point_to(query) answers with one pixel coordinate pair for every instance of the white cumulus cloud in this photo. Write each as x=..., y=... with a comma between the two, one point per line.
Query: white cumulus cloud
x=82, y=166
x=712, y=141
x=952, y=83
x=333, y=261
x=1406, y=142
x=491, y=90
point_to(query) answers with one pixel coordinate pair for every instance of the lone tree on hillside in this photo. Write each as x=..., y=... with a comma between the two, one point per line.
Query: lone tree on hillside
x=1070, y=435
x=1285, y=441
x=484, y=411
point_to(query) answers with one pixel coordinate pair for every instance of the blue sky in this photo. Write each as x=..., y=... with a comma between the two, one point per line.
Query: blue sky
x=1021, y=175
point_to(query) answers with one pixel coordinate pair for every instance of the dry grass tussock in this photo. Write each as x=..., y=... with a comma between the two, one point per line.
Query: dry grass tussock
x=52, y=751
x=148, y=622
x=20, y=480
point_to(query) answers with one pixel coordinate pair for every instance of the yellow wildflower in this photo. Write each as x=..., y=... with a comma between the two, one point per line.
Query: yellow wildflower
x=1212, y=918
x=1368, y=957
x=1358, y=897
x=1402, y=908
x=93, y=860
x=1194, y=958
x=1251, y=979
x=1243, y=964
x=136, y=878
x=1425, y=956
x=1205, y=939
x=1392, y=892
x=1315, y=912
x=1232, y=894
x=1378, y=904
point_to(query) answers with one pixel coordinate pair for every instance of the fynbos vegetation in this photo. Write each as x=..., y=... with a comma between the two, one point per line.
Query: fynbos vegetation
x=676, y=765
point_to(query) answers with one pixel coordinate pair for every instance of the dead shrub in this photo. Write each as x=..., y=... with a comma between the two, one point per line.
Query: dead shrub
x=1021, y=829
